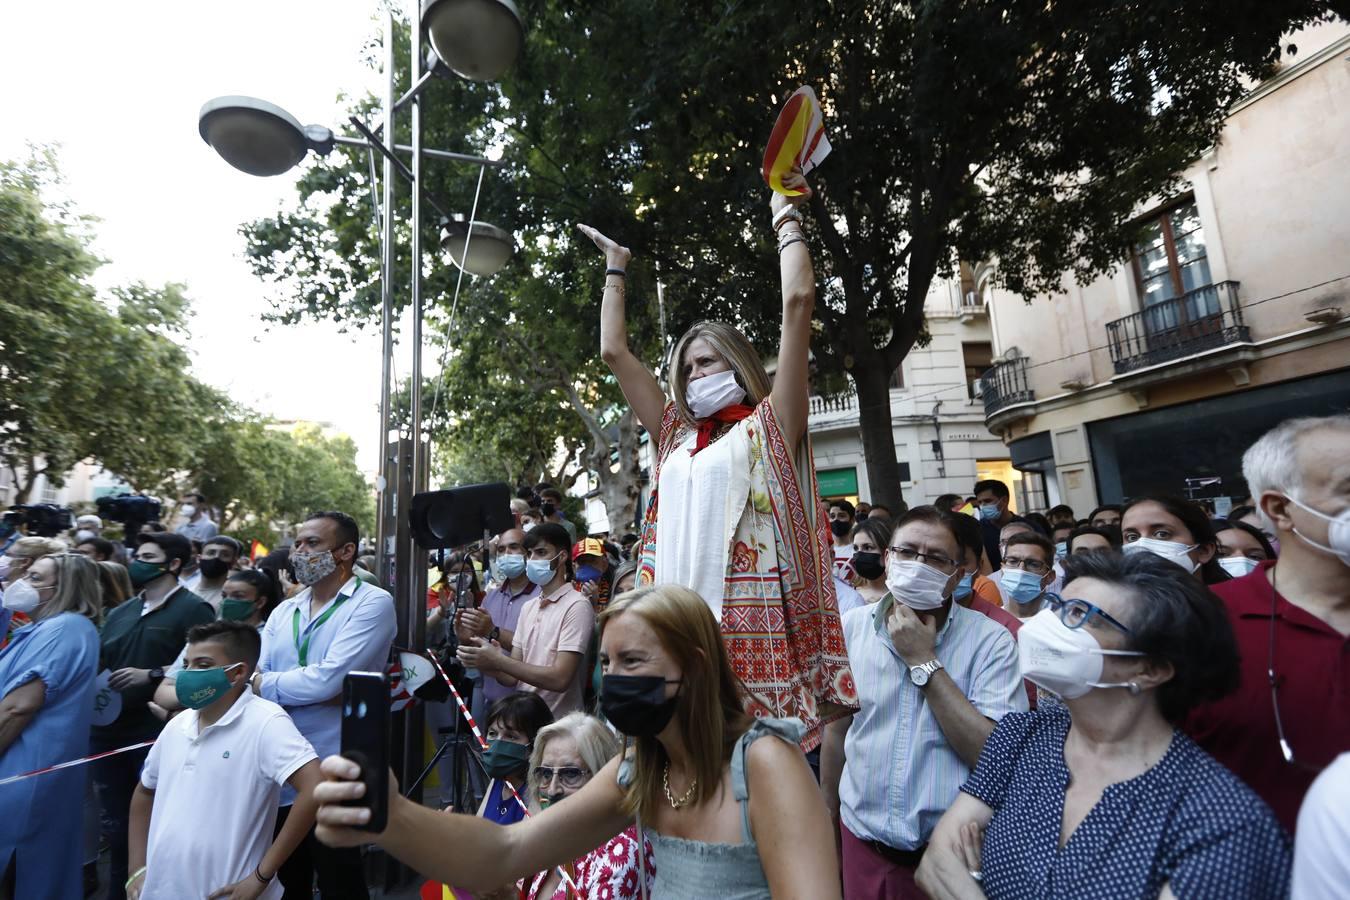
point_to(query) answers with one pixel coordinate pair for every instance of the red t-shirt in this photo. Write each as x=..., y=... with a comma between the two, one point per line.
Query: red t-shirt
x=1008, y=621
x=1312, y=666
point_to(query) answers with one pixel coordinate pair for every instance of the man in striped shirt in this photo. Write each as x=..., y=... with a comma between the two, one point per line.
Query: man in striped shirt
x=933, y=678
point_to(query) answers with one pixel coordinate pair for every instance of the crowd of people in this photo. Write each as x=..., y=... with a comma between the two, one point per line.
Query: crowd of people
x=757, y=693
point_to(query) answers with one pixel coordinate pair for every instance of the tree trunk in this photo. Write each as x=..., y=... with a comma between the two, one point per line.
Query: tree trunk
x=878, y=440
x=30, y=476
x=621, y=488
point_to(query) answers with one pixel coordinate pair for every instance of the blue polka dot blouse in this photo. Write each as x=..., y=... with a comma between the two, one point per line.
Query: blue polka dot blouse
x=1188, y=822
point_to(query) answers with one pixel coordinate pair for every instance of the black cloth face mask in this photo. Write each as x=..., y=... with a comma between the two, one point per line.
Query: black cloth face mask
x=637, y=704
x=840, y=528
x=868, y=564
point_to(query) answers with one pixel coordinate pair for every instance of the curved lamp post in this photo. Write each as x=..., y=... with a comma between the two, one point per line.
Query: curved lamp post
x=477, y=40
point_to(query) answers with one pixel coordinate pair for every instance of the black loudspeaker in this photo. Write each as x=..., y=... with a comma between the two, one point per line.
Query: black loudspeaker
x=459, y=516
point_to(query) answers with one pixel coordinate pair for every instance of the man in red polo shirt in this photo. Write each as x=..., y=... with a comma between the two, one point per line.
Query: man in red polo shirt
x=1292, y=618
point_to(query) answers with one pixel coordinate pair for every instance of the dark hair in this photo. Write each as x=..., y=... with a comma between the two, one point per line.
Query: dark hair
x=880, y=506
x=103, y=547
x=1034, y=539
x=628, y=539
x=969, y=534
x=998, y=488
x=842, y=504
x=933, y=516
x=1174, y=618
x=1061, y=526
x=1239, y=512
x=175, y=546
x=199, y=497
x=241, y=641
x=1106, y=507
x=277, y=560
x=1038, y=522
x=1197, y=523
x=555, y=536
x=948, y=502
x=264, y=581
x=551, y=493
x=879, y=530
x=347, y=529
x=1111, y=535
x=1061, y=508
x=225, y=540
x=1232, y=524
x=524, y=711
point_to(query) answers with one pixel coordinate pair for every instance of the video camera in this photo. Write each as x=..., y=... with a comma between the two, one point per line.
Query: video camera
x=131, y=510
x=40, y=519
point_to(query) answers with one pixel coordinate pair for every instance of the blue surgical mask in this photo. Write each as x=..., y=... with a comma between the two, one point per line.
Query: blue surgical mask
x=964, y=587
x=511, y=565
x=539, y=571
x=588, y=573
x=1061, y=549
x=989, y=512
x=1023, y=587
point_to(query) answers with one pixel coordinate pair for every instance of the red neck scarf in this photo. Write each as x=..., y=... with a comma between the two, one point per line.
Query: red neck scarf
x=728, y=415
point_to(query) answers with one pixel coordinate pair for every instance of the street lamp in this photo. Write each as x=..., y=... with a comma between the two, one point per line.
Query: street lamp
x=479, y=40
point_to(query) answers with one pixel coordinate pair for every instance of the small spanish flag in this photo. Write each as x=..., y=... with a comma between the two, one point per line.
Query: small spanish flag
x=258, y=550
x=798, y=139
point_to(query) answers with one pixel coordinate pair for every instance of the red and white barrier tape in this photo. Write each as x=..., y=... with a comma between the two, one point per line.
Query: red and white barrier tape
x=473, y=726
x=74, y=762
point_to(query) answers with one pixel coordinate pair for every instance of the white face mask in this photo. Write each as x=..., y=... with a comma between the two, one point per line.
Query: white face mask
x=22, y=597
x=1237, y=566
x=710, y=393
x=84, y=534
x=916, y=585
x=1067, y=661
x=187, y=511
x=6, y=563
x=1172, y=551
x=1338, y=531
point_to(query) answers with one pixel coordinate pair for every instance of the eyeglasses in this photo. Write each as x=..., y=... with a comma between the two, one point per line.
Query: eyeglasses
x=1286, y=750
x=568, y=776
x=1034, y=566
x=1076, y=613
x=909, y=555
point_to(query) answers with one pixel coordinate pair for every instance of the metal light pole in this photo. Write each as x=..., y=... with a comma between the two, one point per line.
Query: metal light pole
x=474, y=39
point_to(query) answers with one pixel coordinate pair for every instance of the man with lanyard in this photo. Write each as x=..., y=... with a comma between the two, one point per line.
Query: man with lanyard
x=497, y=617
x=1290, y=716
x=337, y=624
x=139, y=638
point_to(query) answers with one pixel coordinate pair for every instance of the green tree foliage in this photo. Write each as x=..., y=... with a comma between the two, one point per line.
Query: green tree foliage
x=1021, y=132
x=81, y=379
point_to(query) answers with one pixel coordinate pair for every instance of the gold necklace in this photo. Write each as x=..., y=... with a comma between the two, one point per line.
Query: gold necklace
x=670, y=798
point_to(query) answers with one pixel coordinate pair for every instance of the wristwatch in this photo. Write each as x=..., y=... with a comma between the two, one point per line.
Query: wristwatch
x=920, y=674
x=156, y=674
x=494, y=633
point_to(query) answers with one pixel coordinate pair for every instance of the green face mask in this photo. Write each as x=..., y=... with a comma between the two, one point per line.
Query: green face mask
x=142, y=573
x=503, y=758
x=198, y=688
x=233, y=609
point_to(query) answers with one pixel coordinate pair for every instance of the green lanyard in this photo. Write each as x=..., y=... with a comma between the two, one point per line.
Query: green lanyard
x=302, y=650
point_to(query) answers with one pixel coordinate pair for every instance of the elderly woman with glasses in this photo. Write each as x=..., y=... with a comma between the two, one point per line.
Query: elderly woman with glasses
x=1103, y=796
x=567, y=754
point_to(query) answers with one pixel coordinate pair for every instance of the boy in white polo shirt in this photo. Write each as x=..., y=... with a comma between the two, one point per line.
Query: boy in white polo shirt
x=203, y=814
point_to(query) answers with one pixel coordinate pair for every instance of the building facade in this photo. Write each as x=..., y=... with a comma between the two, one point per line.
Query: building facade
x=937, y=414
x=1229, y=316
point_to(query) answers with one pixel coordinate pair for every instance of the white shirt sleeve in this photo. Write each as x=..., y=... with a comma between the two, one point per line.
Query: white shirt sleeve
x=1321, y=863
x=282, y=750
x=150, y=770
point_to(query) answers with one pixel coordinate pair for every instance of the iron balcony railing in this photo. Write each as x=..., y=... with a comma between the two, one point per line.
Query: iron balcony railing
x=1005, y=384
x=1202, y=319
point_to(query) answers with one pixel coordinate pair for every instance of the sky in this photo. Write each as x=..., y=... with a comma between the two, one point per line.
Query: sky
x=118, y=87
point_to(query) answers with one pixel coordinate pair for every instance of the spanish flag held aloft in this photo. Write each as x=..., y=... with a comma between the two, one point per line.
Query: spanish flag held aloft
x=258, y=550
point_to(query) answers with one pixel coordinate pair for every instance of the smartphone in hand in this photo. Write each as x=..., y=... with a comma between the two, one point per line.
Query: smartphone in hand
x=365, y=740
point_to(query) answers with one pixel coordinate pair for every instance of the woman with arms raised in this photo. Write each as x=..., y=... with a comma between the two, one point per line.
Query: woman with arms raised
x=729, y=815
x=735, y=516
